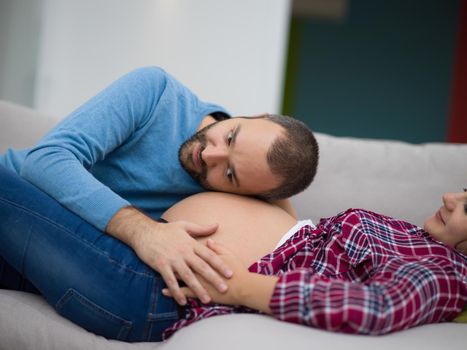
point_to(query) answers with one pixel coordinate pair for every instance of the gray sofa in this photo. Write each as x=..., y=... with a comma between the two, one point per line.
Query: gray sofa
x=393, y=178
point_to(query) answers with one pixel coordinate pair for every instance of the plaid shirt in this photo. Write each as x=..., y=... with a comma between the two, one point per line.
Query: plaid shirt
x=358, y=272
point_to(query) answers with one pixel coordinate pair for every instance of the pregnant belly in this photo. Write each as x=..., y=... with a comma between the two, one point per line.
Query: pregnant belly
x=249, y=243
x=248, y=227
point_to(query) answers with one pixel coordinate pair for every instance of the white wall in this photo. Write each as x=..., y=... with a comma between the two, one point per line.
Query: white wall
x=230, y=52
x=20, y=22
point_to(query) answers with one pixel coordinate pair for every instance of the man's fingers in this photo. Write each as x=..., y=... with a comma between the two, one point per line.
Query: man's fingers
x=177, y=255
x=197, y=230
x=198, y=265
x=172, y=284
x=187, y=276
x=214, y=261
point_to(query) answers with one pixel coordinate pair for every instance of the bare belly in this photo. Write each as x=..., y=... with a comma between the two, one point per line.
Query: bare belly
x=248, y=227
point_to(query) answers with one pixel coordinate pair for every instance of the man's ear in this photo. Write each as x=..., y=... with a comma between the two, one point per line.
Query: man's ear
x=462, y=247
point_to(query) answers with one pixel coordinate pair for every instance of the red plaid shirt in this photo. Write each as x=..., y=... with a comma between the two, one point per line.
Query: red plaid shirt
x=358, y=272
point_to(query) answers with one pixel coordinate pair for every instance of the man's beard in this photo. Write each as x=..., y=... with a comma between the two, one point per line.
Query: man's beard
x=185, y=155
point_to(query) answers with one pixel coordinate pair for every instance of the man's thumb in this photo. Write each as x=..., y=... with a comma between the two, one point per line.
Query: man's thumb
x=197, y=230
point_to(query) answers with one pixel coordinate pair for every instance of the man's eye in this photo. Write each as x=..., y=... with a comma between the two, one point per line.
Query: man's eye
x=230, y=174
x=229, y=137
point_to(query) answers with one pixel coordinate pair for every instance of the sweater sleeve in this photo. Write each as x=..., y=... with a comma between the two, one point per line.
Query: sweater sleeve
x=59, y=163
x=401, y=295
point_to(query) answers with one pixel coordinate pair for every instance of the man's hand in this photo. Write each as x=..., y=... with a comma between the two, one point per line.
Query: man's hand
x=244, y=288
x=169, y=249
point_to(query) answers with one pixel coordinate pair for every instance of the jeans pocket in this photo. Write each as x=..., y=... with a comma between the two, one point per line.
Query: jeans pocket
x=85, y=313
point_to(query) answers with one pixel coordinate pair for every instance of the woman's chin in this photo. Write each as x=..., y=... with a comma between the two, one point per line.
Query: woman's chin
x=429, y=222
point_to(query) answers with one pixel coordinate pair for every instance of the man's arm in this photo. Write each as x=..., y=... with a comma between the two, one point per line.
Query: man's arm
x=59, y=165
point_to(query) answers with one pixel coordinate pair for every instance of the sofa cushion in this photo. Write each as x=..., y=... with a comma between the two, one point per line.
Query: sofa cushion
x=27, y=322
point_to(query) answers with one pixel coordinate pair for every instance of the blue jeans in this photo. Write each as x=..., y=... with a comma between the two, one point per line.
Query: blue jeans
x=89, y=277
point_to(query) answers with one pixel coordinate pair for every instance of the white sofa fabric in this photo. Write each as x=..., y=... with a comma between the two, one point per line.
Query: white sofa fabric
x=394, y=178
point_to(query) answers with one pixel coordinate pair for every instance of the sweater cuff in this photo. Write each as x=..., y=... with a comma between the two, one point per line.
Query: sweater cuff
x=101, y=206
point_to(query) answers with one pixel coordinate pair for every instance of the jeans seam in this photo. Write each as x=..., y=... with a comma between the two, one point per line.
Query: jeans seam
x=53, y=223
x=153, y=302
x=26, y=246
x=70, y=293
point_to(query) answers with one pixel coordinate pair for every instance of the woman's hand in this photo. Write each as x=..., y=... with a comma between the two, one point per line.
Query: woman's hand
x=244, y=288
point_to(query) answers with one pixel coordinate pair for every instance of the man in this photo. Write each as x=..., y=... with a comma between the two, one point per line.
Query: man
x=117, y=162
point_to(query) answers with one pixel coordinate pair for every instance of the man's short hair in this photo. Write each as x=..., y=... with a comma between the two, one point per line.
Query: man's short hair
x=293, y=157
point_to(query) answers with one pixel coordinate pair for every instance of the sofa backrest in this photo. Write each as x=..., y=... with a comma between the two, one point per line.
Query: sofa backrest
x=395, y=178
x=20, y=126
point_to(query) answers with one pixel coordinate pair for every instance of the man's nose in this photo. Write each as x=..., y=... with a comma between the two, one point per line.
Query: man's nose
x=212, y=155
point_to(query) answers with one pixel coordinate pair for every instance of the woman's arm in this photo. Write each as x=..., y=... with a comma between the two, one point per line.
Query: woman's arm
x=399, y=296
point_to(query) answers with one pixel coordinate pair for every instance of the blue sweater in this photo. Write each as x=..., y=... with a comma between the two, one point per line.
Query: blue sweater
x=118, y=149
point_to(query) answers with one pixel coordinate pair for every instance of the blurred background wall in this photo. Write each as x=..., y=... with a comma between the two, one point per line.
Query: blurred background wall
x=382, y=69
x=20, y=23
x=229, y=52
x=369, y=68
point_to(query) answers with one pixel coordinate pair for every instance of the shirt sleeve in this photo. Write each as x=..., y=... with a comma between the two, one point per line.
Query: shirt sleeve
x=399, y=296
x=58, y=163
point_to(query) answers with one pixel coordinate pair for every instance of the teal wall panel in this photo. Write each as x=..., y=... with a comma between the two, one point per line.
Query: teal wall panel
x=383, y=72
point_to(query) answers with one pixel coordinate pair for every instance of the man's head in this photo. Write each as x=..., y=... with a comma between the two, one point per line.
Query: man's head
x=271, y=156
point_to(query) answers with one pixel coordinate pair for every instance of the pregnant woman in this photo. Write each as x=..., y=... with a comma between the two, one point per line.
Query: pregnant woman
x=357, y=272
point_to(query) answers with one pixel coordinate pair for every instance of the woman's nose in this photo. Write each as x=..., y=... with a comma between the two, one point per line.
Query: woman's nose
x=212, y=155
x=449, y=200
